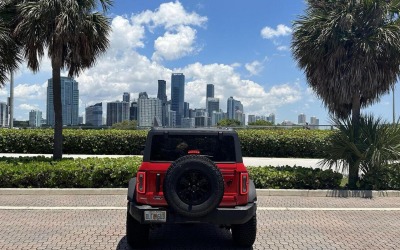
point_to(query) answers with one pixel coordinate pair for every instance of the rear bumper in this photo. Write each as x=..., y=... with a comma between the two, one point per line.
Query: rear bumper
x=220, y=216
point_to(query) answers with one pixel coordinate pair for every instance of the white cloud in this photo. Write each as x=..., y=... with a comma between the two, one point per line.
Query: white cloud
x=172, y=46
x=125, y=34
x=29, y=107
x=179, y=39
x=169, y=15
x=227, y=82
x=283, y=48
x=254, y=67
x=31, y=91
x=281, y=30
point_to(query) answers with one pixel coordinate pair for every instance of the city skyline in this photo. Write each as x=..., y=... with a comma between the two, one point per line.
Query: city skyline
x=245, y=54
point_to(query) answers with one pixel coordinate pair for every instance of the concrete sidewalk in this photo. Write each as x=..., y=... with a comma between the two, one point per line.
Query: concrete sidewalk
x=248, y=161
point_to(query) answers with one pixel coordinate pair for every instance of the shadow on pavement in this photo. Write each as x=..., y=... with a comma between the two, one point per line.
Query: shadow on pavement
x=199, y=236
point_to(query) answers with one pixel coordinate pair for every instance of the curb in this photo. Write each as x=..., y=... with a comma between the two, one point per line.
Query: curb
x=260, y=192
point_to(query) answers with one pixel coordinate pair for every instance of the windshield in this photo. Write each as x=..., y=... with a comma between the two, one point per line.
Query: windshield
x=171, y=147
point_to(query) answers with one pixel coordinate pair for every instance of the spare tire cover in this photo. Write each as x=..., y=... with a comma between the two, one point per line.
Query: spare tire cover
x=193, y=186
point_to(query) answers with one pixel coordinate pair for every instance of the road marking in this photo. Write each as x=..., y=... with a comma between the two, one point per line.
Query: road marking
x=258, y=208
x=59, y=208
x=328, y=208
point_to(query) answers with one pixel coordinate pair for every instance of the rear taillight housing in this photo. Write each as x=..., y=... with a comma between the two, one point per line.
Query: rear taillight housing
x=141, y=182
x=244, y=183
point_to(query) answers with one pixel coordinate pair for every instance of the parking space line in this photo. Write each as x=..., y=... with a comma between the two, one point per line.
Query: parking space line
x=258, y=208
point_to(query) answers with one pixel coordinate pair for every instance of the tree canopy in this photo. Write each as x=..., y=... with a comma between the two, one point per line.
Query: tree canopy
x=349, y=50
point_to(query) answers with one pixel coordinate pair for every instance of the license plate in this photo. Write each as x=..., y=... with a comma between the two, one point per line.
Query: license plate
x=155, y=216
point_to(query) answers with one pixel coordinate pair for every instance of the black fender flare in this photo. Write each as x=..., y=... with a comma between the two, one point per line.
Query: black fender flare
x=252, y=196
x=131, y=189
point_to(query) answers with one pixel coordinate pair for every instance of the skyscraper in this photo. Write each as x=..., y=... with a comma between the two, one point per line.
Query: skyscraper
x=212, y=105
x=232, y=107
x=210, y=91
x=162, y=95
x=149, y=111
x=133, y=111
x=35, y=118
x=117, y=112
x=178, y=95
x=3, y=114
x=126, y=97
x=301, y=119
x=69, y=101
x=94, y=115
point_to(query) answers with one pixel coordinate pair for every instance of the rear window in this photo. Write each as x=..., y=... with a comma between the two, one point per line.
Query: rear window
x=171, y=147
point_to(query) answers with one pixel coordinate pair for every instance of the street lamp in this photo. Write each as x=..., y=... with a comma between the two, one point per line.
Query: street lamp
x=11, y=108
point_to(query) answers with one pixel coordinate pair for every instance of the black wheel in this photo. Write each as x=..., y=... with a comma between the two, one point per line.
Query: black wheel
x=245, y=234
x=193, y=186
x=137, y=235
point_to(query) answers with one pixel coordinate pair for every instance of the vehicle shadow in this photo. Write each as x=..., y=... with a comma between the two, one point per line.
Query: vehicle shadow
x=199, y=236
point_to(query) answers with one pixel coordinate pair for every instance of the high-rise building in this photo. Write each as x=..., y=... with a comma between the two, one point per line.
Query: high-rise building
x=117, y=112
x=251, y=118
x=186, y=110
x=271, y=118
x=69, y=102
x=133, y=111
x=212, y=105
x=178, y=95
x=162, y=95
x=232, y=107
x=3, y=114
x=216, y=117
x=149, y=111
x=35, y=118
x=314, y=122
x=126, y=97
x=210, y=91
x=188, y=122
x=94, y=115
x=301, y=119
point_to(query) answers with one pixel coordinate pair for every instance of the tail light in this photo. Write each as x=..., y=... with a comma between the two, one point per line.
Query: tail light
x=141, y=182
x=244, y=183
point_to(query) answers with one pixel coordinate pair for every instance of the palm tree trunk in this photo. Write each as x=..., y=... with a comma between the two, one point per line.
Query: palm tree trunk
x=354, y=165
x=58, y=138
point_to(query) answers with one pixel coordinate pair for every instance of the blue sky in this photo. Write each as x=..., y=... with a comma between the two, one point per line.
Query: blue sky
x=242, y=47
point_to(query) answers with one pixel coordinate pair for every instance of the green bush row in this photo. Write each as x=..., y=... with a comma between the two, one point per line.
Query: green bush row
x=258, y=143
x=40, y=172
x=287, y=177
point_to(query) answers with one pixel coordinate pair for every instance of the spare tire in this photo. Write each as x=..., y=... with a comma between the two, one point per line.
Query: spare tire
x=193, y=186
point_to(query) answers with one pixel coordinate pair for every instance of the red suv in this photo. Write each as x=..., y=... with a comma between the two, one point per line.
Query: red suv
x=192, y=176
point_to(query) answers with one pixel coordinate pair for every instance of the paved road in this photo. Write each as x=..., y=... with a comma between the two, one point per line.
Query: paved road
x=98, y=222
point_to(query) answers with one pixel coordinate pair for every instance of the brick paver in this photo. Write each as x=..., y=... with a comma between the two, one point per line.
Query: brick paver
x=105, y=229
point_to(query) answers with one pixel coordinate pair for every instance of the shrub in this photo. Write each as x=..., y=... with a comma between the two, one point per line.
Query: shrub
x=40, y=172
x=258, y=143
x=294, y=178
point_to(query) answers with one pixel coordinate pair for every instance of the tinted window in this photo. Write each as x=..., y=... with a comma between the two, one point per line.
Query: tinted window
x=171, y=147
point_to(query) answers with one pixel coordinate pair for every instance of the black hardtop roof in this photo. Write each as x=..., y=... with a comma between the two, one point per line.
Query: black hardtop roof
x=157, y=130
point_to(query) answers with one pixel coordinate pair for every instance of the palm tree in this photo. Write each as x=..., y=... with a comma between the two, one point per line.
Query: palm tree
x=9, y=49
x=350, y=52
x=73, y=34
x=376, y=146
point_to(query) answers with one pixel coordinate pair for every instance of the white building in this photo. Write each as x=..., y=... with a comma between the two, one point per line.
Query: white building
x=35, y=118
x=3, y=114
x=149, y=109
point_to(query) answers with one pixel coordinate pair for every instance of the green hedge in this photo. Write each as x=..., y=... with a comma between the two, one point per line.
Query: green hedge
x=258, y=143
x=40, y=172
x=40, y=141
x=299, y=143
x=287, y=177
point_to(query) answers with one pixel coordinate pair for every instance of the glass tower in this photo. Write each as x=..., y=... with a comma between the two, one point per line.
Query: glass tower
x=178, y=96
